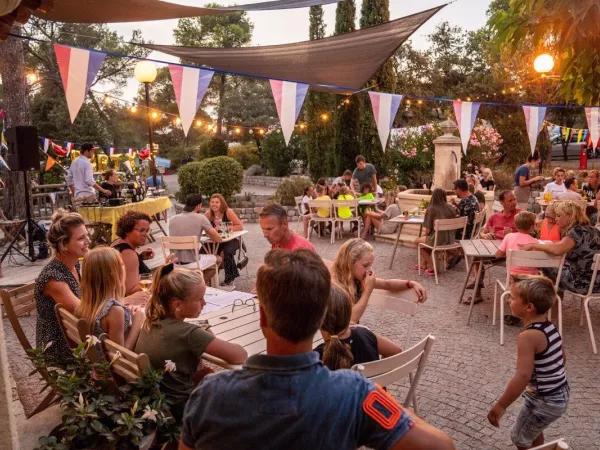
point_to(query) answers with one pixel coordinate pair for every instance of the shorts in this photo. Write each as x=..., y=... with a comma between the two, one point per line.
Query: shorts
x=387, y=227
x=537, y=413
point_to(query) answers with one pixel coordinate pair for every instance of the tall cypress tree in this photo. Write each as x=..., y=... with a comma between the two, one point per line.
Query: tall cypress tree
x=320, y=133
x=347, y=117
x=375, y=12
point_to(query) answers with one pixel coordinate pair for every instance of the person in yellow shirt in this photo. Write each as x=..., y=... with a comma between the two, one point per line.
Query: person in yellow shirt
x=322, y=212
x=344, y=212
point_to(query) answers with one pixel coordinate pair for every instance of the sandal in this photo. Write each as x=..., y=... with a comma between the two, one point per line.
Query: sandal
x=416, y=267
x=430, y=272
x=512, y=321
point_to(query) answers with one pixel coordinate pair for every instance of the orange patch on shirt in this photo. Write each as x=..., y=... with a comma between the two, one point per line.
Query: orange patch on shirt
x=387, y=402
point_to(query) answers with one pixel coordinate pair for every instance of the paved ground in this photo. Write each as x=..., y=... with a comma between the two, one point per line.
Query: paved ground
x=468, y=368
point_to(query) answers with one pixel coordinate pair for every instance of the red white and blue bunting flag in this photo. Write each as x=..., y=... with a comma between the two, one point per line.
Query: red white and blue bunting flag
x=68, y=147
x=466, y=114
x=46, y=143
x=534, y=119
x=78, y=68
x=111, y=151
x=385, y=107
x=289, y=98
x=593, y=120
x=190, y=85
x=130, y=151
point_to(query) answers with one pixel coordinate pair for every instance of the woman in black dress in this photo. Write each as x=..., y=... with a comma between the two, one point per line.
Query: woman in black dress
x=58, y=281
x=111, y=178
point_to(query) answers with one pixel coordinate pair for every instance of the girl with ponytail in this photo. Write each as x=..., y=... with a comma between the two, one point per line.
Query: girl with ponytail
x=345, y=346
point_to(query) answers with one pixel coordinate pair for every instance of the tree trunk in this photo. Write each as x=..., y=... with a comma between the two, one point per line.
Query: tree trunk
x=221, y=105
x=18, y=112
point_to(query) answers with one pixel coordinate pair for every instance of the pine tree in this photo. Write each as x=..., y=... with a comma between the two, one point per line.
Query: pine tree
x=347, y=117
x=320, y=132
x=375, y=12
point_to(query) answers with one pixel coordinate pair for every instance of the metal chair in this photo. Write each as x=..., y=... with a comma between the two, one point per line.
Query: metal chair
x=168, y=243
x=315, y=219
x=585, y=301
x=355, y=217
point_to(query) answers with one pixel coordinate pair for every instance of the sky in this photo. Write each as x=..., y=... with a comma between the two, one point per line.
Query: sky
x=287, y=26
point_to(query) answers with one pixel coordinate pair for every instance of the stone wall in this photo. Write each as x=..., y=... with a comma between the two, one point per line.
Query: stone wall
x=250, y=215
x=273, y=182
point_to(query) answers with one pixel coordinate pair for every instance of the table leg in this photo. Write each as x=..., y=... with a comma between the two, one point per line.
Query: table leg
x=396, y=245
x=462, y=293
x=477, y=278
x=157, y=219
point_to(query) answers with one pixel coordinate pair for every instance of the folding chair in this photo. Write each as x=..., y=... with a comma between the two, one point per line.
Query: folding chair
x=17, y=302
x=585, y=301
x=355, y=217
x=535, y=260
x=443, y=225
x=75, y=330
x=554, y=445
x=298, y=201
x=168, y=243
x=129, y=366
x=315, y=219
x=405, y=302
x=478, y=223
x=390, y=370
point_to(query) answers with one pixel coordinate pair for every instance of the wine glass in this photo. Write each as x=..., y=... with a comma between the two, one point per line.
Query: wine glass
x=145, y=282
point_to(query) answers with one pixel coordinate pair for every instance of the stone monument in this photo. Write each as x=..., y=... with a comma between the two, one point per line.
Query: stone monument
x=448, y=155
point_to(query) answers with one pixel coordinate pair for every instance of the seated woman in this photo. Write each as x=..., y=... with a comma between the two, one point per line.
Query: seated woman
x=133, y=229
x=579, y=243
x=438, y=209
x=487, y=182
x=219, y=213
x=111, y=178
x=351, y=269
x=178, y=294
x=381, y=219
x=345, y=346
x=102, y=293
x=58, y=282
x=549, y=230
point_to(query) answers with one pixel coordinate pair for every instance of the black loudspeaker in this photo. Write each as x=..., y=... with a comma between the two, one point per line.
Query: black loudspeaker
x=23, y=147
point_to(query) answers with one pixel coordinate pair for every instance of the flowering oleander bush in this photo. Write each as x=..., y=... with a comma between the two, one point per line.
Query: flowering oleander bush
x=484, y=147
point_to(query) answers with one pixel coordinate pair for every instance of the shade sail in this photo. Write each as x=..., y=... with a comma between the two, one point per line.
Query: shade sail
x=111, y=11
x=341, y=63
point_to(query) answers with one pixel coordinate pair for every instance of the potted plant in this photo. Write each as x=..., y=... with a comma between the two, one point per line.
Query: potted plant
x=99, y=414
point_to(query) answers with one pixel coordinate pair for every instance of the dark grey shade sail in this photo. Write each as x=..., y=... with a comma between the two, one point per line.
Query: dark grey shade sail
x=341, y=63
x=112, y=11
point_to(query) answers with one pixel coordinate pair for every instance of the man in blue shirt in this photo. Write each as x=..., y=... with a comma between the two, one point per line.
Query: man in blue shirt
x=287, y=399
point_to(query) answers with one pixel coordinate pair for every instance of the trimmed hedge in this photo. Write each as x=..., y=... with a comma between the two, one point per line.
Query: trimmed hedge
x=222, y=175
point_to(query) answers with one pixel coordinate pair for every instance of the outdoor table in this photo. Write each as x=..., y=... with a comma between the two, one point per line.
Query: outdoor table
x=369, y=202
x=401, y=220
x=111, y=214
x=479, y=250
x=211, y=247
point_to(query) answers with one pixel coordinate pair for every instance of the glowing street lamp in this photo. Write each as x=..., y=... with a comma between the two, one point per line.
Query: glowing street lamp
x=145, y=72
x=543, y=63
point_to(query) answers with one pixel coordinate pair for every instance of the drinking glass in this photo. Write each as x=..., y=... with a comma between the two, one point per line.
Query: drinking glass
x=229, y=228
x=145, y=282
x=548, y=197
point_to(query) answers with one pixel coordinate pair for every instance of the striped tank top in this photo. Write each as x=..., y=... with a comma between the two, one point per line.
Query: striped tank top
x=549, y=366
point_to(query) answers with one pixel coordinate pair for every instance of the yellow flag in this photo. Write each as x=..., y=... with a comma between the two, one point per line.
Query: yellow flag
x=49, y=163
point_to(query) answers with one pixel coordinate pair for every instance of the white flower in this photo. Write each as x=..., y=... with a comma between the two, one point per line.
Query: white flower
x=91, y=340
x=117, y=356
x=48, y=345
x=81, y=402
x=170, y=366
x=150, y=413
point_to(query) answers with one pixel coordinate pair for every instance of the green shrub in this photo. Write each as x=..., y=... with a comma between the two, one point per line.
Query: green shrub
x=213, y=148
x=278, y=158
x=188, y=178
x=288, y=189
x=246, y=155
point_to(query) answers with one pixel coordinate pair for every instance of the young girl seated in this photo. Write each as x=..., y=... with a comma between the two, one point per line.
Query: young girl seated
x=366, y=193
x=525, y=223
x=102, y=291
x=345, y=346
x=178, y=294
x=548, y=227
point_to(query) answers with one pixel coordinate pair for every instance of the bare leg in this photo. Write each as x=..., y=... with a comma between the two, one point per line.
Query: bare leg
x=366, y=226
x=427, y=263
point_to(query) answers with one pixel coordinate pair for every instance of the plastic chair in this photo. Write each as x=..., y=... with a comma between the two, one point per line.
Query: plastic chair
x=315, y=219
x=355, y=217
x=585, y=301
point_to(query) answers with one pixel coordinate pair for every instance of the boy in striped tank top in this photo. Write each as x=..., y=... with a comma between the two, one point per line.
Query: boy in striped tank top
x=540, y=364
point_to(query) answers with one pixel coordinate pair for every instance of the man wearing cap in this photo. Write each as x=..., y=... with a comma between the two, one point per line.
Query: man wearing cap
x=80, y=177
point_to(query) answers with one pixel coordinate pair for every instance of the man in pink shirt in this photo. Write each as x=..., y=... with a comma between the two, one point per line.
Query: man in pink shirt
x=274, y=224
x=501, y=222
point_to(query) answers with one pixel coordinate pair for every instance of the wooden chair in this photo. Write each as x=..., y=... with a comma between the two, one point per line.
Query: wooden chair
x=10, y=229
x=18, y=302
x=554, y=445
x=443, y=225
x=355, y=217
x=535, y=260
x=315, y=219
x=75, y=330
x=130, y=366
x=168, y=243
x=585, y=301
x=390, y=370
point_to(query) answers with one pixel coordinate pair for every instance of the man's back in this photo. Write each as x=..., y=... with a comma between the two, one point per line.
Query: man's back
x=291, y=402
x=188, y=224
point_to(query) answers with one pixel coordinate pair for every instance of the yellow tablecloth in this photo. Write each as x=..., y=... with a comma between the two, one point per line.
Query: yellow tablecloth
x=111, y=214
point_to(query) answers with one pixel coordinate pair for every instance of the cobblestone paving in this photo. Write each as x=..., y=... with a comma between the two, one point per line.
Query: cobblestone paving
x=468, y=368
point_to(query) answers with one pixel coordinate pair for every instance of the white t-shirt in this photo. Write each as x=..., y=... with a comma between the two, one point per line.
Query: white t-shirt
x=555, y=189
x=305, y=201
x=569, y=195
x=379, y=191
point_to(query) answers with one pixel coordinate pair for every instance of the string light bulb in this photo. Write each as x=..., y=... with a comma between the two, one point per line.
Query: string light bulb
x=209, y=127
x=261, y=132
x=325, y=117
x=408, y=102
x=238, y=130
x=420, y=102
x=468, y=99
x=32, y=77
x=108, y=100
x=154, y=115
x=504, y=91
x=512, y=89
x=347, y=101
x=133, y=109
x=198, y=123
x=302, y=126
x=178, y=121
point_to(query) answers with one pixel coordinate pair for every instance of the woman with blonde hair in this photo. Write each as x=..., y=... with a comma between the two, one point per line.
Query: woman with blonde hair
x=352, y=270
x=102, y=292
x=220, y=213
x=487, y=182
x=381, y=219
x=580, y=241
x=178, y=294
x=58, y=282
x=345, y=346
x=549, y=230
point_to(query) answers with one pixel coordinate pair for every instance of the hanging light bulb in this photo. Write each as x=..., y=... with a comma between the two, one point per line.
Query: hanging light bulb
x=108, y=100
x=468, y=99
x=408, y=102
x=178, y=121
x=209, y=127
x=261, y=132
x=420, y=102
x=325, y=117
x=133, y=109
x=238, y=130
x=198, y=123
x=347, y=101
x=302, y=126
x=504, y=91
x=32, y=77
x=154, y=115
x=512, y=89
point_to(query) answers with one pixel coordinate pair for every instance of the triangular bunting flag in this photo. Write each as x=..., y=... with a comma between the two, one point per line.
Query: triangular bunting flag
x=190, y=85
x=593, y=120
x=3, y=143
x=534, y=120
x=289, y=97
x=111, y=151
x=3, y=162
x=52, y=196
x=49, y=163
x=466, y=113
x=580, y=136
x=78, y=69
x=127, y=165
x=130, y=151
x=566, y=133
x=68, y=147
x=46, y=144
x=385, y=107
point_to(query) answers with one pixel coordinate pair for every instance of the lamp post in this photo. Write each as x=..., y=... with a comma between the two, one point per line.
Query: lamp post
x=145, y=72
x=544, y=64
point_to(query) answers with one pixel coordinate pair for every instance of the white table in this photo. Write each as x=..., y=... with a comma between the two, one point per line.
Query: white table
x=402, y=220
x=369, y=202
x=211, y=247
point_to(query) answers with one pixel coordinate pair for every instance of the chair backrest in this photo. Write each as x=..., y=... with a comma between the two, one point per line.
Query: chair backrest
x=554, y=445
x=389, y=370
x=17, y=302
x=180, y=243
x=352, y=204
x=534, y=260
x=448, y=225
x=478, y=223
x=399, y=302
x=129, y=366
x=298, y=201
x=75, y=330
x=595, y=270
x=322, y=204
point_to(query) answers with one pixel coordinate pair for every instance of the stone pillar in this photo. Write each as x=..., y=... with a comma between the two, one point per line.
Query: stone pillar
x=448, y=155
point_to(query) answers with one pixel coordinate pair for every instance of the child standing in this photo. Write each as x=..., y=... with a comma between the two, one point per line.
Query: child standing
x=540, y=365
x=525, y=224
